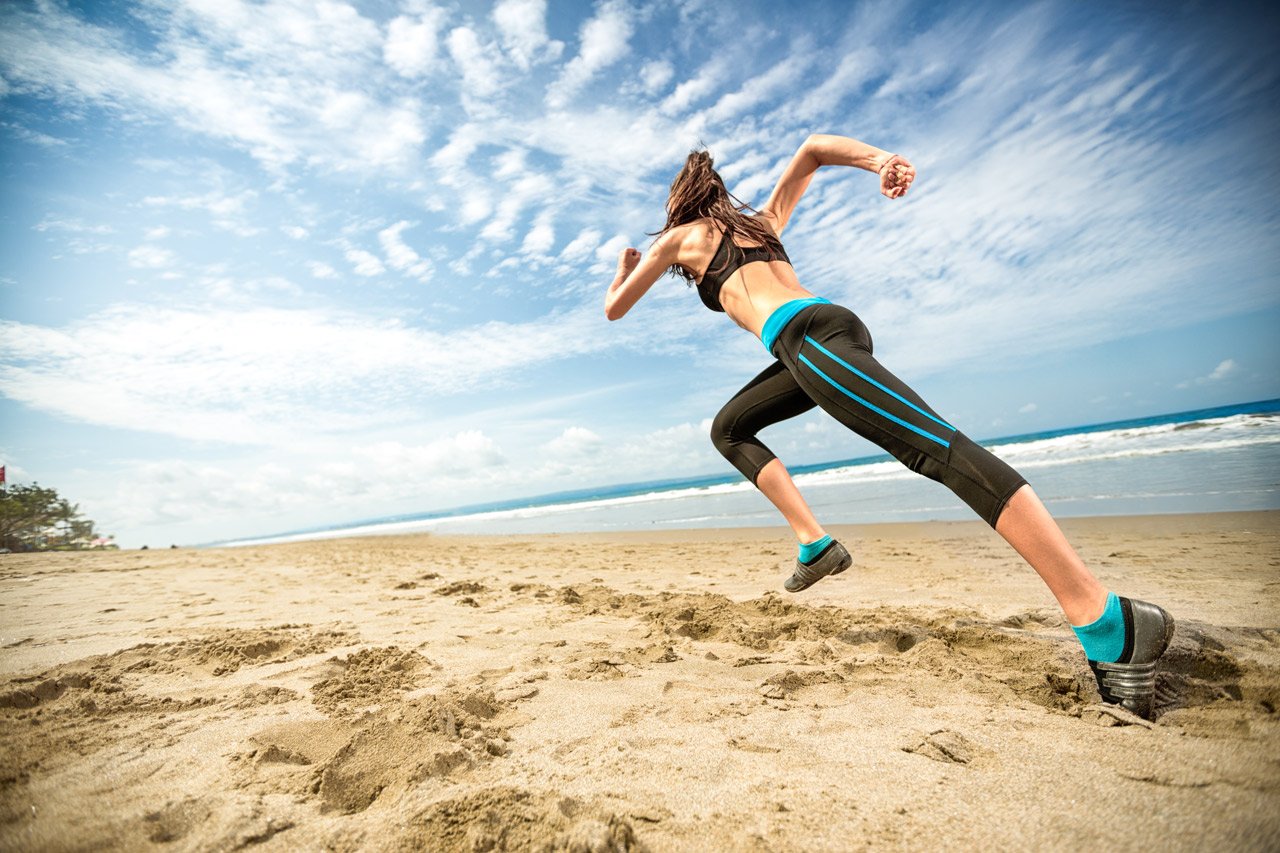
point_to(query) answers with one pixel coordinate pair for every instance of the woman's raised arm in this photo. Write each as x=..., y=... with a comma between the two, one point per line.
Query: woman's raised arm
x=637, y=273
x=821, y=149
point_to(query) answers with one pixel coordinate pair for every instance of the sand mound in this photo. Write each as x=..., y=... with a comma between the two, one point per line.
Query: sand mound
x=428, y=738
x=508, y=818
x=366, y=678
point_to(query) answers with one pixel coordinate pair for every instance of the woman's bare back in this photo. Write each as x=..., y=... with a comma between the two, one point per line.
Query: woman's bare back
x=754, y=290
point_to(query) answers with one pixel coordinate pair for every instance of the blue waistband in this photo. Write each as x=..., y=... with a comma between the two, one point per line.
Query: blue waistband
x=782, y=315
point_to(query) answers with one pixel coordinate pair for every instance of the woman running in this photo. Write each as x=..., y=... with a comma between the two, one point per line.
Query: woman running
x=823, y=357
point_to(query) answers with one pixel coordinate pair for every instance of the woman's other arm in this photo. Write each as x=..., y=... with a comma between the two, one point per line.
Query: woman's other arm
x=822, y=149
x=637, y=273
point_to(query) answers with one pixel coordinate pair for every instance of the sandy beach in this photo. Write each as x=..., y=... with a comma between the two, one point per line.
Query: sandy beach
x=641, y=691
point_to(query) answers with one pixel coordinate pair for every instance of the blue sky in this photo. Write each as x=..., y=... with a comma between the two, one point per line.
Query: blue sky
x=269, y=265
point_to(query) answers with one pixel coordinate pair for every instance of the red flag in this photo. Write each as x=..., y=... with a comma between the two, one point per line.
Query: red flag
x=1, y=475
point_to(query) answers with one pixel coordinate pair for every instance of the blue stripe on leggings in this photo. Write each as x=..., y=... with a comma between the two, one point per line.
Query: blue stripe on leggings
x=871, y=406
x=838, y=360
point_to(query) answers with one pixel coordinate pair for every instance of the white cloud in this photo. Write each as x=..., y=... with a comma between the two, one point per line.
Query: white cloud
x=759, y=89
x=575, y=442
x=481, y=77
x=625, y=147
x=603, y=42
x=412, y=43
x=297, y=232
x=458, y=454
x=257, y=76
x=581, y=246
x=319, y=269
x=684, y=447
x=150, y=257
x=215, y=203
x=227, y=212
x=1027, y=409
x=689, y=92
x=511, y=163
x=365, y=263
x=1225, y=368
x=86, y=247
x=27, y=134
x=855, y=67
x=399, y=255
x=476, y=206
x=541, y=236
x=656, y=74
x=179, y=491
x=607, y=253
x=75, y=226
x=523, y=26
x=579, y=455
x=273, y=376
x=532, y=186
x=463, y=142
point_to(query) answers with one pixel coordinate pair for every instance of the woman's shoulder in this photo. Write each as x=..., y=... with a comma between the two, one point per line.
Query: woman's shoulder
x=693, y=236
x=698, y=229
x=769, y=218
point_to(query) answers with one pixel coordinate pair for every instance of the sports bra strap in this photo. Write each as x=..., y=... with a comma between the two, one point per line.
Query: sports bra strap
x=728, y=258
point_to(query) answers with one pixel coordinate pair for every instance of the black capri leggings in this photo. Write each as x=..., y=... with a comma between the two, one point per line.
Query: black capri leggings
x=824, y=359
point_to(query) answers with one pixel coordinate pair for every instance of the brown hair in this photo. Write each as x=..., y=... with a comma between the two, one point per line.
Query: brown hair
x=698, y=193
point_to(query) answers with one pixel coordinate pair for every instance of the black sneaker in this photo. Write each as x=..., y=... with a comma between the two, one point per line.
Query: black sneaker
x=833, y=560
x=1131, y=681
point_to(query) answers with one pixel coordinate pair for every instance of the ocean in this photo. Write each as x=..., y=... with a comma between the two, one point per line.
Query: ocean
x=1207, y=460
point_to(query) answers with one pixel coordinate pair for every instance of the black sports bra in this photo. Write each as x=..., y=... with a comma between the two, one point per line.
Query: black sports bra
x=729, y=256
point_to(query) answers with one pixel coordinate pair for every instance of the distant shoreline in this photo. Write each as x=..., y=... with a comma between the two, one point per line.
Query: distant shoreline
x=1130, y=437
x=1151, y=522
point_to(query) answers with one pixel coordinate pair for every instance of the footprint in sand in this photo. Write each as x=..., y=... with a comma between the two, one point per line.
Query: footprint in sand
x=948, y=747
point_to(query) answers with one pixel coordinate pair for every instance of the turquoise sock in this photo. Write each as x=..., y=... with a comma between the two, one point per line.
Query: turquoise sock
x=1103, y=640
x=809, y=550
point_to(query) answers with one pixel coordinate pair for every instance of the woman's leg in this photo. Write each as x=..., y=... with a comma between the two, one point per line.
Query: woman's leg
x=852, y=386
x=771, y=397
x=775, y=482
x=1027, y=526
x=831, y=359
x=774, y=396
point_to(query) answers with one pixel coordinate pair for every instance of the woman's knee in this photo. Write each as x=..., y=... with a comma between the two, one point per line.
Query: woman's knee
x=980, y=478
x=722, y=432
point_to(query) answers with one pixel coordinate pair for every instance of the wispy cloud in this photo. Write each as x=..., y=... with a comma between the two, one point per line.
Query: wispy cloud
x=541, y=236
x=35, y=137
x=176, y=491
x=656, y=74
x=412, y=42
x=476, y=62
x=75, y=226
x=400, y=256
x=150, y=257
x=1226, y=367
x=259, y=76
x=365, y=263
x=523, y=26
x=320, y=269
x=603, y=41
x=228, y=212
x=264, y=375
